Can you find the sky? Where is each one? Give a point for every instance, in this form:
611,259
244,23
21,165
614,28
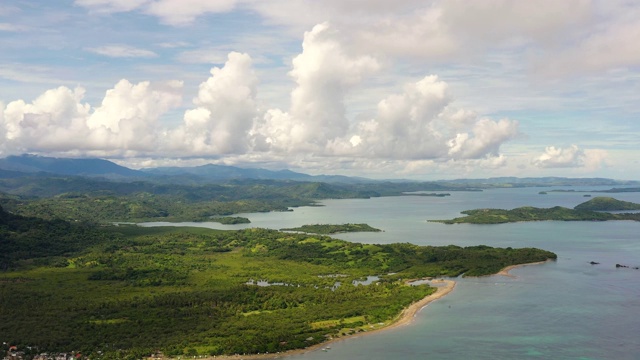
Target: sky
409,89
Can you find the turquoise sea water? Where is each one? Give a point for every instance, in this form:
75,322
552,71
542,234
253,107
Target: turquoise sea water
567,309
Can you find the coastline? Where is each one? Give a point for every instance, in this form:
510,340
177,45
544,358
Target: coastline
505,271
404,318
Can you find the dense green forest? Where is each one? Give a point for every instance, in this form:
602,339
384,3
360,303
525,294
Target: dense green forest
328,229
127,291
587,211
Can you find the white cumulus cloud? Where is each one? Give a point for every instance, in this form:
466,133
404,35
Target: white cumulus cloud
571,157
59,121
225,112
324,72
132,111
420,123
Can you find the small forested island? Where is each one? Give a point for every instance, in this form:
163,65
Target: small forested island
592,210
328,229
130,292
231,220
426,194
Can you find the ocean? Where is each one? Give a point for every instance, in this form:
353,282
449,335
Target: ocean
566,309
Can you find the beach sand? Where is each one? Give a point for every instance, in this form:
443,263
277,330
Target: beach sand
505,271
406,317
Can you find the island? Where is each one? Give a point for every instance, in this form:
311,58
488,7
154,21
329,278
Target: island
602,203
328,229
133,292
612,190
230,220
592,210
425,194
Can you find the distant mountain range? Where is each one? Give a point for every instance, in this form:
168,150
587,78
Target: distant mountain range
66,166
33,165
224,172
43,166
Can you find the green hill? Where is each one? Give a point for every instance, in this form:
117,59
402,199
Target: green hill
602,203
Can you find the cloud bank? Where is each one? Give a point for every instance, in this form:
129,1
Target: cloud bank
225,117
417,124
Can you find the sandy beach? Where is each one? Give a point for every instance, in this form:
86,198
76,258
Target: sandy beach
405,317
505,271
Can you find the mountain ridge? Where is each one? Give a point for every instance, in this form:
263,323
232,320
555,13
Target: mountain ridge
16,166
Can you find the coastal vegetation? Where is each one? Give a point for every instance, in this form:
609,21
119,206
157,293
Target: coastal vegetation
129,292
592,210
328,229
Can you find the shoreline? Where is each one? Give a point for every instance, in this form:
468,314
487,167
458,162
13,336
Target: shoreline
505,271
404,318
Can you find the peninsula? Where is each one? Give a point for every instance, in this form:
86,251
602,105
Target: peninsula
129,291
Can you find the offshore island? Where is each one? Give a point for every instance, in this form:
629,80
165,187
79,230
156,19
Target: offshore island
595,209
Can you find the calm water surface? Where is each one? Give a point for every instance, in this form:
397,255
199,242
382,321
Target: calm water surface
566,309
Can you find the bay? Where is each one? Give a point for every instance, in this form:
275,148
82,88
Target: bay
567,309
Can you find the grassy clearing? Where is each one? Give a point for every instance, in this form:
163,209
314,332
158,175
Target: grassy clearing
337,322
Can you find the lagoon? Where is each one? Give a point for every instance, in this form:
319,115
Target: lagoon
568,309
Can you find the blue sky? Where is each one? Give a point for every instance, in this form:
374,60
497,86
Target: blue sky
407,89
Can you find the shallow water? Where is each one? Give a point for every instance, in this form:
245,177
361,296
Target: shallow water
568,309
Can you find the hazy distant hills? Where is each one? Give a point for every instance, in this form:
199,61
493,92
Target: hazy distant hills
42,166
223,172
32,165
65,166
543,181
